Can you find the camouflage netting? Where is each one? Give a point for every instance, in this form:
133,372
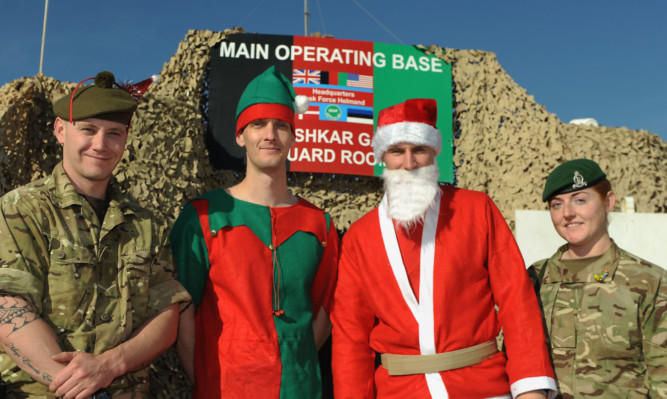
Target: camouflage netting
505,145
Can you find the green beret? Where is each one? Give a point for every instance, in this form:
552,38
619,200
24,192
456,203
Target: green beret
571,176
101,100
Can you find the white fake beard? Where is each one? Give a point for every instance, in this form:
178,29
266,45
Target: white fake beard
410,193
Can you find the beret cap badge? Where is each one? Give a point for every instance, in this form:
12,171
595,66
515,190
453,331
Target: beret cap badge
579,181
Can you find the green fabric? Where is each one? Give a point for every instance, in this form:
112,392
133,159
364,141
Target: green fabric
298,354
191,252
270,87
93,283
102,101
571,176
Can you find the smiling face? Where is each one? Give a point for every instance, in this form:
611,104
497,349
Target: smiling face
580,218
408,156
91,150
267,143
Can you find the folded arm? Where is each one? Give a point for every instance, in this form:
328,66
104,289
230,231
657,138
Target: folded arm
28,339
85,373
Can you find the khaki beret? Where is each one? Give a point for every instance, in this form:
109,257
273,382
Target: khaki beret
101,100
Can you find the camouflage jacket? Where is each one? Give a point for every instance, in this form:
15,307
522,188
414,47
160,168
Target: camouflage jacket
93,283
607,322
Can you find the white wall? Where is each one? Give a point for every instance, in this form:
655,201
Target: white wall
643,234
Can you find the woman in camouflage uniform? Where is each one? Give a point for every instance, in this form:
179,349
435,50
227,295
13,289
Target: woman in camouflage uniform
605,309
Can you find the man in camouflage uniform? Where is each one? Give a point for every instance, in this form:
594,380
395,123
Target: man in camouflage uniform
606,314
87,294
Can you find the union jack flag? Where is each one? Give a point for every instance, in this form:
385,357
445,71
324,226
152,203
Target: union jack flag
306,76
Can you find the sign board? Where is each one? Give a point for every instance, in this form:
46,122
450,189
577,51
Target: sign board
347,82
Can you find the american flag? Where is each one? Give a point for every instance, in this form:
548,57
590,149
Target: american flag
306,76
362,81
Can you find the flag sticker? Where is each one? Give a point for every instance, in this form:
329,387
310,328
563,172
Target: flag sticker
306,76
361,81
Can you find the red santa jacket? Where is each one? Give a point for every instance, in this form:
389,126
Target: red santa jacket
477,266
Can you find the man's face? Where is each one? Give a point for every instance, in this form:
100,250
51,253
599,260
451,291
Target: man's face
408,156
91,148
267,143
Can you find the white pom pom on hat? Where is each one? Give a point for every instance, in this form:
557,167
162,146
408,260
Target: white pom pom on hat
301,104
412,121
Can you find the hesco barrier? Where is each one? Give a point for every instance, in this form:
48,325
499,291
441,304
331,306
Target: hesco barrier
505,145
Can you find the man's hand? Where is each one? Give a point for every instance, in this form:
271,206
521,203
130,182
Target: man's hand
83,376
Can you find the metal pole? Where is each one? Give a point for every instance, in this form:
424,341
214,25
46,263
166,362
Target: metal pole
305,17
41,57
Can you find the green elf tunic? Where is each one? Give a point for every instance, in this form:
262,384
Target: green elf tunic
258,276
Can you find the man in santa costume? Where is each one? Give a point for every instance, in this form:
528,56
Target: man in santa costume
259,263
426,282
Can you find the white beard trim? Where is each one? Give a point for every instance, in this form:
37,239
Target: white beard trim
410,193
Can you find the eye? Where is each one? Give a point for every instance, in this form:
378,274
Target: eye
555,205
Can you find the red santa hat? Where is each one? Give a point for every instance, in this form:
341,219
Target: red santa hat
412,121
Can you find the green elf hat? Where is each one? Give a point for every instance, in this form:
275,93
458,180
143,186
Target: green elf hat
571,176
102,100
269,95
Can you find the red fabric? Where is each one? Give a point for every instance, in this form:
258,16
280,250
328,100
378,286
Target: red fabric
264,111
248,349
477,265
414,110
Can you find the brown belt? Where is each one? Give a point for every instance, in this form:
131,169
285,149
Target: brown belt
424,364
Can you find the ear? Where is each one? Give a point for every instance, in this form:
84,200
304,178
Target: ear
610,201
60,126
239,140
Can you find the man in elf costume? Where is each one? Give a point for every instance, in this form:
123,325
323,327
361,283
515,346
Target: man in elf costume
260,264
419,281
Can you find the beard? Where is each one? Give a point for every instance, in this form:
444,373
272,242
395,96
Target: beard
410,193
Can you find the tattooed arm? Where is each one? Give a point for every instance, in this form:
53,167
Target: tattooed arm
86,373
28,339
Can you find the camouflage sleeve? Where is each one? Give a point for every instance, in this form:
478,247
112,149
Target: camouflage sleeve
164,288
23,250
654,333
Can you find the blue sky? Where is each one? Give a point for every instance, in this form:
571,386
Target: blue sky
601,59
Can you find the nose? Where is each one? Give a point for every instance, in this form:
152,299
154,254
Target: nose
568,211
271,131
98,142
410,162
